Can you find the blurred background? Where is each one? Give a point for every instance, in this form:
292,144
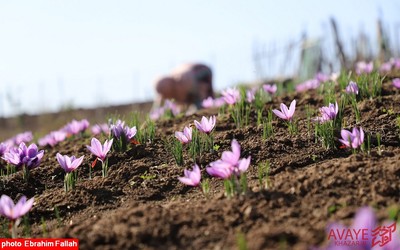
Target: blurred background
62,55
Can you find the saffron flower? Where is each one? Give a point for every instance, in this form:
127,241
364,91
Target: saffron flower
69,164
52,138
206,125
172,107
352,139
28,156
76,127
22,137
321,77
208,102
285,113
100,150
230,163
328,113
191,178
363,67
185,136
309,84
119,130
270,88
100,128
220,169
14,211
250,95
231,95
385,67
352,88
396,82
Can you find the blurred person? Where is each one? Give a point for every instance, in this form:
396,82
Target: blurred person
187,85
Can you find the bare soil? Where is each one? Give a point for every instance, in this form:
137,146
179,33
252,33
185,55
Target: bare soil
142,205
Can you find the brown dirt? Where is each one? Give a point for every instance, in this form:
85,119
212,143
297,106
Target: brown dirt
141,204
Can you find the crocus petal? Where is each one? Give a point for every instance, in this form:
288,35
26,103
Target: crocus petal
292,108
244,164
279,114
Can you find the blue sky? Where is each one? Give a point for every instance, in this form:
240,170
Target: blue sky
86,53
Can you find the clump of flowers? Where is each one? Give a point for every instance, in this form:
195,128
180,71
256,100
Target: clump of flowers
53,138
309,84
14,212
185,136
210,102
122,135
24,137
76,127
364,67
69,164
100,129
353,139
352,88
168,110
24,157
100,151
230,167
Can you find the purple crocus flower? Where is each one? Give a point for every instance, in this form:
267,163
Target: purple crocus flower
23,137
250,95
119,129
352,88
69,164
100,128
14,211
230,163
270,88
285,113
76,127
321,77
232,157
157,113
352,139
218,102
28,156
396,82
52,138
363,67
191,178
206,125
170,105
208,102
185,136
100,150
220,169
385,67
328,113
231,95
309,84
